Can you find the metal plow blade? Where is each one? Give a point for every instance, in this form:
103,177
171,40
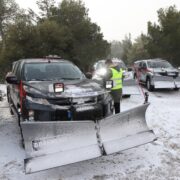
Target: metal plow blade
125,130
177,82
52,144
163,82
130,87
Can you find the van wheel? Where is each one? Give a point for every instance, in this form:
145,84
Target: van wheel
148,85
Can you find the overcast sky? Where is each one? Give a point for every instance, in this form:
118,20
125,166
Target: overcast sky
118,18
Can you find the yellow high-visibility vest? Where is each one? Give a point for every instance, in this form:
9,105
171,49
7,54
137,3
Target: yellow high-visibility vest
117,78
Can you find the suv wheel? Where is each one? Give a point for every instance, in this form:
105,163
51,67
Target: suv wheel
148,85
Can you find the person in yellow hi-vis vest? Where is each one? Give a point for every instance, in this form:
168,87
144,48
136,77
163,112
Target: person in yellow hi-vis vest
115,73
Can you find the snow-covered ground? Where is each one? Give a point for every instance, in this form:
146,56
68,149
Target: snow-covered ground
157,160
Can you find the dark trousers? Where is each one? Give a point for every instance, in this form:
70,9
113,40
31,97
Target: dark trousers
117,107
117,95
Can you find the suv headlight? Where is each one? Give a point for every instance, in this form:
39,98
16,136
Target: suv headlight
37,100
101,72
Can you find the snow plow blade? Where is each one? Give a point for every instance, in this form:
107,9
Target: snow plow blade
125,130
163,82
52,144
130,87
177,82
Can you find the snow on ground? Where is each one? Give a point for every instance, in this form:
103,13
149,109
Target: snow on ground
157,160
3,89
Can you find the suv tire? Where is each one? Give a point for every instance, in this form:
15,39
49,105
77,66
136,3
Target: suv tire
148,85
176,89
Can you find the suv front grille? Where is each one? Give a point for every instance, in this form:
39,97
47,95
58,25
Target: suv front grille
60,101
76,101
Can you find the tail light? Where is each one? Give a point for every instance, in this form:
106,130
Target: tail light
22,94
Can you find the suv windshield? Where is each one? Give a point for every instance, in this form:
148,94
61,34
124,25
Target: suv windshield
103,65
159,64
121,65
51,71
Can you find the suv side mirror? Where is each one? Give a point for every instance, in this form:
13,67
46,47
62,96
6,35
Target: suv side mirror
11,78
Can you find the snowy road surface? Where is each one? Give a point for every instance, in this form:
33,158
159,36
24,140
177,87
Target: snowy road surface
157,160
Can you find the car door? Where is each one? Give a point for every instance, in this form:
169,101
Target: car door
13,87
16,87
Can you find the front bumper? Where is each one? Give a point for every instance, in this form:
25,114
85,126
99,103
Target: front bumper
165,82
54,112
71,113
177,82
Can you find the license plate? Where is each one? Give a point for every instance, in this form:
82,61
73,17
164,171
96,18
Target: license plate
84,108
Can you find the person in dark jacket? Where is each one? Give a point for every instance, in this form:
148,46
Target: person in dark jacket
115,73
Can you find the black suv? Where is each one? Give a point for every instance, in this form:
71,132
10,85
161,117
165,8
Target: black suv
54,90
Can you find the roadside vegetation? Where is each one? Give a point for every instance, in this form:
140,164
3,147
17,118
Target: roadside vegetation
161,41
66,30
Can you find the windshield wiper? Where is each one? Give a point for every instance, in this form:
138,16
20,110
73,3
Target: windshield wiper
36,79
71,78
54,79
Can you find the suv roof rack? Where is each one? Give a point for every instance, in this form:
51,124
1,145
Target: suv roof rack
53,57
